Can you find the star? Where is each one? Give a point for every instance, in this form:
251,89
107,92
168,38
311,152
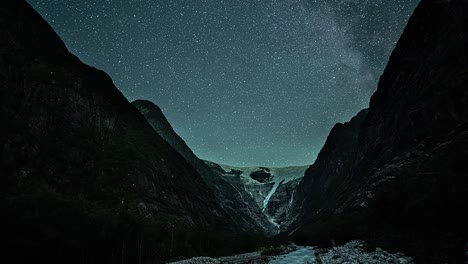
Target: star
243,82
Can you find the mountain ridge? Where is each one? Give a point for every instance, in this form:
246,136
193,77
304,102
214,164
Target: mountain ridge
231,195
83,175
399,179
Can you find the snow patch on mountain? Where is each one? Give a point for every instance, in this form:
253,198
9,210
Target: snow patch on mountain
272,188
278,176
272,191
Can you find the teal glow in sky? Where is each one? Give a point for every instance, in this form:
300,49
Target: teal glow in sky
244,82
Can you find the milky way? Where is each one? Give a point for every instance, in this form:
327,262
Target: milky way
244,82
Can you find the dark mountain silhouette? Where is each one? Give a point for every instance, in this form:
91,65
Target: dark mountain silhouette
231,195
396,175
87,177
84,178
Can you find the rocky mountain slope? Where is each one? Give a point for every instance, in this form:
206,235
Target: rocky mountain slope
397,175
232,197
83,176
272,188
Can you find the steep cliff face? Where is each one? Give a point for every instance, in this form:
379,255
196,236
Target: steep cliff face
230,194
271,188
279,208
335,159
161,125
400,180
82,173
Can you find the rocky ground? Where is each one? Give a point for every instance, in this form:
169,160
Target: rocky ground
353,252
198,260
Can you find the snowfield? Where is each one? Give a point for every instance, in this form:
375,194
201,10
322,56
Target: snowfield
285,173
279,176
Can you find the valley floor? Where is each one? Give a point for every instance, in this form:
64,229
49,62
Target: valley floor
352,252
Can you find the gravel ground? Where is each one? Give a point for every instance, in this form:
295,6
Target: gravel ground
198,260
351,253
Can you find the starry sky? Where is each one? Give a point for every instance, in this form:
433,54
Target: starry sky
244,82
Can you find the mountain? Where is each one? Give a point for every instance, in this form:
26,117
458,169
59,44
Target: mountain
271,188
83,176
231,195
161,125
333,160
244,192
396,174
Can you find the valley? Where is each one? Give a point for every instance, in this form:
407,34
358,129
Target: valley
88,177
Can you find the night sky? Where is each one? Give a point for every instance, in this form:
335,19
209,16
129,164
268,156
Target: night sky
244,82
